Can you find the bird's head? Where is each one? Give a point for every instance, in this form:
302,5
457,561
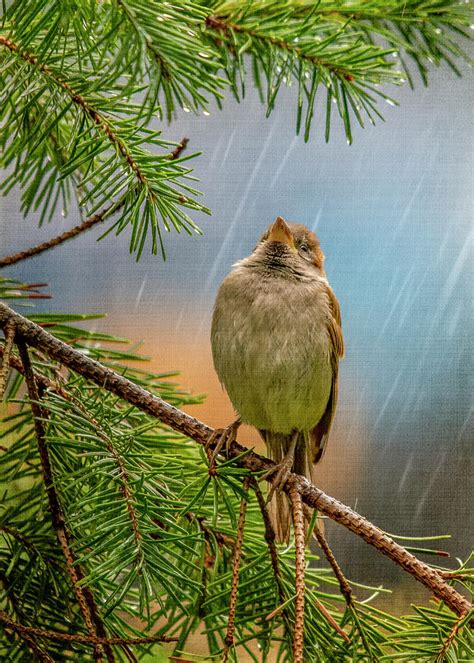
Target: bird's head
292,244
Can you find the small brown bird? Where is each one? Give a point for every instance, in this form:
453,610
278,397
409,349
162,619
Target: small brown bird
276,343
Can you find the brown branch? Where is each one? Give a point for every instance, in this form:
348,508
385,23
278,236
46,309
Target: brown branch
9,331
330,619
122,472
229,636
42,380
63,237
80,228
198,431
345,588
298,527
441,657
99,120
224,27
83,594
40,654
179,149
270,539
77,637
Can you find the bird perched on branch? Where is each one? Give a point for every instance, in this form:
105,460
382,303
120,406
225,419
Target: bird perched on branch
276,343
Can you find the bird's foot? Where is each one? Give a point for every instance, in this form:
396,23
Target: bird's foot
219,438
282,470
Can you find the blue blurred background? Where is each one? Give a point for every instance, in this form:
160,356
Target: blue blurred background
394,216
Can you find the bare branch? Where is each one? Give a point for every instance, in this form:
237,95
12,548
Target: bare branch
229,637
179,149
199,432
77,637
462,621
298,526
270,539
5,368
64,237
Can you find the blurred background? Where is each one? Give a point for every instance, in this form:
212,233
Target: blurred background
394,216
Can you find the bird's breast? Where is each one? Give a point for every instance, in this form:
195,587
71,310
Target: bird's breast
271,349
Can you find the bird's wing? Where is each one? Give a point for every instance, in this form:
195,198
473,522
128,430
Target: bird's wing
318,436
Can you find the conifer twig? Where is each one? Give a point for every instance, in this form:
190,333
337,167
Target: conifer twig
298,527
441,657
89,223
22,630
330,619
229,637
344,586
83,594
183,423
9,331
38,651
270,539
63,237
100,120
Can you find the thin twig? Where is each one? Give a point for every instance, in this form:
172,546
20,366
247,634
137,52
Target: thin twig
81,227
38,651
270,539
9,332
346,589
229,637
200,433
441,657
330,619
21,629
63,237
83,594
179,149
298,527
344,586
40,654
100,121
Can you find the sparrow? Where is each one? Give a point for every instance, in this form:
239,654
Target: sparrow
276,342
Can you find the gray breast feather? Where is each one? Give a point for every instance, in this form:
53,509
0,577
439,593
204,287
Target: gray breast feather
271,350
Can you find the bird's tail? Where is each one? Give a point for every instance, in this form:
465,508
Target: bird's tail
279,507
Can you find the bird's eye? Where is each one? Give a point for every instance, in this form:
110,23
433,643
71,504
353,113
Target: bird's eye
305,250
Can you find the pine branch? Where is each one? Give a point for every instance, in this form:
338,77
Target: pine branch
459,624
82,227
110,152
29,631
102,123
63,237
5,367
179,64
191,427
287,45
83,594
229,637
298,526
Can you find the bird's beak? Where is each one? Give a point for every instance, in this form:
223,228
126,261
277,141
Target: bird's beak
280,232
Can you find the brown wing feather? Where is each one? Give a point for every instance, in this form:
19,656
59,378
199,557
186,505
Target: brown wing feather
318,436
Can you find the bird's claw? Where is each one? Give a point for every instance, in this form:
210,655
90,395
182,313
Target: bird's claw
282,471
224,437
